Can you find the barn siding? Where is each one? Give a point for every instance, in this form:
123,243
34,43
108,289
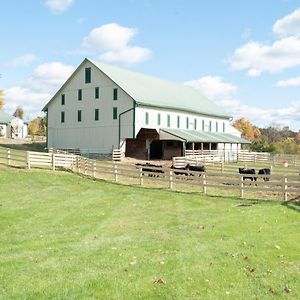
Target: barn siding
89,135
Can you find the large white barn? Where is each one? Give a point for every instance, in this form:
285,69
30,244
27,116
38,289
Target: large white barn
102,107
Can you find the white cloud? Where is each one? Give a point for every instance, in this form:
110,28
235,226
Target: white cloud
23,60
110,43
288,116
213,87
127,55
50,76
289,82
58,6
31,101
109,37
259,57
289,25
37,89
223,93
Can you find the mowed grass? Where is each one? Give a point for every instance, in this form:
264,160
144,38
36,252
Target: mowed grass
63,236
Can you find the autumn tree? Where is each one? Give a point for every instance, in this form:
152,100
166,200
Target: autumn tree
37,126
249,131
19,113
1,99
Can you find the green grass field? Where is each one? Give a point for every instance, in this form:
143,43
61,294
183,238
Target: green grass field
63,236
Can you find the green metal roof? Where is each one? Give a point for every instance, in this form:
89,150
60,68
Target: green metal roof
151,91
5,118
194,136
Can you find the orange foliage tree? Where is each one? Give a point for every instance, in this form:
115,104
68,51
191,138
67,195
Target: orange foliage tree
248,130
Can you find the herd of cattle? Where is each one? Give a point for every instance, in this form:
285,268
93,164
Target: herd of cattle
156,170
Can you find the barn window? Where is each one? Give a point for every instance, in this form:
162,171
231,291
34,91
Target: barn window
97,93
203,124
209,125
115,113
62,117
168,120
187,122
79,115
115,94
97,114
63,99
217,126
178,121
146,118
158,119
79,95
195,124
223,126
88,75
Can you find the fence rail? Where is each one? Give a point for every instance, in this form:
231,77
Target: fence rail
285,183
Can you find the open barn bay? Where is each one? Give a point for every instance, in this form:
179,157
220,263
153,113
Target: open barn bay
63,236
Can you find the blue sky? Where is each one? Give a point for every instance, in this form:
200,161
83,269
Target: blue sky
245,55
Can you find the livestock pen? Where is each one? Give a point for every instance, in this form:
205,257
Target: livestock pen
219,178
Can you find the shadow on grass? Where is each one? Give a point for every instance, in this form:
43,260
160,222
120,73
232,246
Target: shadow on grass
36,146
293,204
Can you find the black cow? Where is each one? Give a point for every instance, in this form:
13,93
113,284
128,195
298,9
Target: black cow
196,168
188,167
265,171
248,171
147,167
180,171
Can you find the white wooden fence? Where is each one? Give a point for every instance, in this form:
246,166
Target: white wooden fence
217,179
117,155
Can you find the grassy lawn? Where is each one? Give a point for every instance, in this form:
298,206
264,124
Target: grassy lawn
63,236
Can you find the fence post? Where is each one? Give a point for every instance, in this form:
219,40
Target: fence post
28,159
285,194
53,161
94,169
115,172
204,183
78,163
8,157
85,166
141,175
241,186
171,179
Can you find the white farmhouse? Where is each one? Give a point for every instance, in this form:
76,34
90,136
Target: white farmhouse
102,107
12,127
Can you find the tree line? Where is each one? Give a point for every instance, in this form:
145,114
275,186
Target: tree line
273,139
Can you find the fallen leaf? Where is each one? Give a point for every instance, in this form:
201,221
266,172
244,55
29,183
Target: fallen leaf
287,289
271,290
277,247
162,262
245,257
159,281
